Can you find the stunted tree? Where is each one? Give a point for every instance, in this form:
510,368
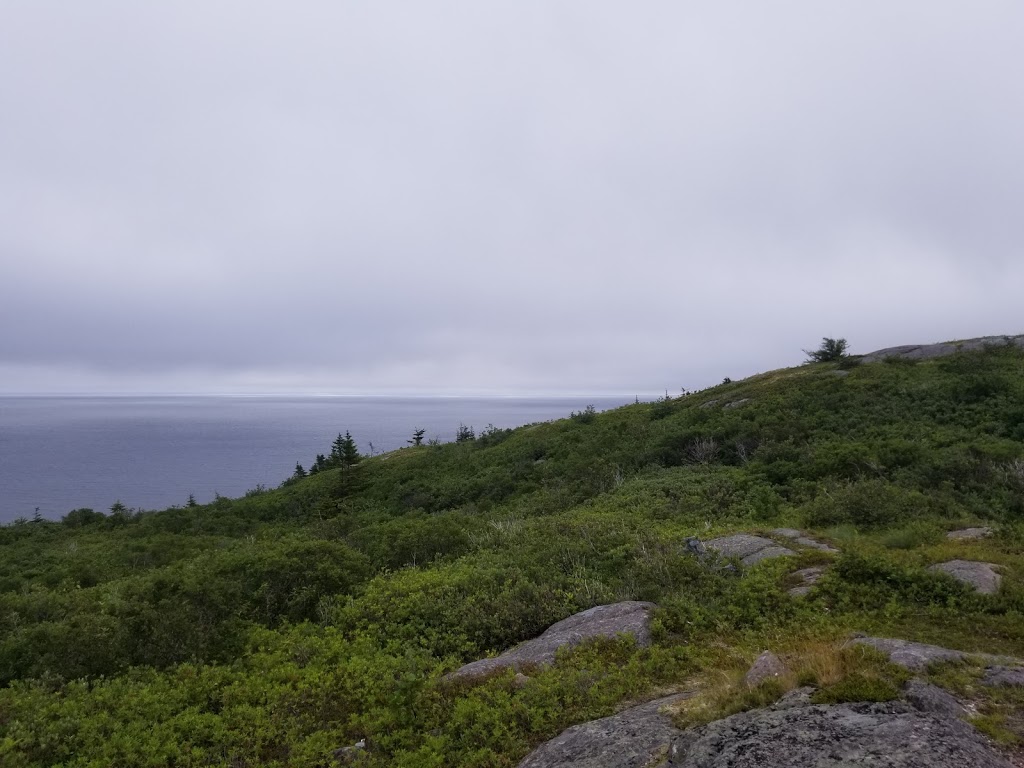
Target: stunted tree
829,351
417,437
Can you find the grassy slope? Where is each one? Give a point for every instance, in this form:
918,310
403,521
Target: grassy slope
275,628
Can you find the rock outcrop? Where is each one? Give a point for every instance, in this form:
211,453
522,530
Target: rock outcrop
808,577
630,617
917,656
889,735
944,349
999,675
982,577
930,698
634,738
748,548
801,539
967,534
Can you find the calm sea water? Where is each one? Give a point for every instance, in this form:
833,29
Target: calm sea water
61,453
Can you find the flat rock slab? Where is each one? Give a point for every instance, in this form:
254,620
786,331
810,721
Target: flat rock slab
787,533
631,617
748,548
983,577
931,351
917,656
999,675
801,539
969,533
889,735
809,577
634,738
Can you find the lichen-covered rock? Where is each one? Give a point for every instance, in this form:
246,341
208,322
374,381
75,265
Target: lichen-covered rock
630,617
930,351
967,534
983,577
765,667
930,698
890,735
634,738
748,548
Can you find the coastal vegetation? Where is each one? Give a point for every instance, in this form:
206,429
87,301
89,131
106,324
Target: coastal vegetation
280,627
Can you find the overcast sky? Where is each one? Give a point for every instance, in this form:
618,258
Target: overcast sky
517,197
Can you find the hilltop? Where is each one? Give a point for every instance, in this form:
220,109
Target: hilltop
332,620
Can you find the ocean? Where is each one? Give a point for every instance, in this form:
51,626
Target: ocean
63,453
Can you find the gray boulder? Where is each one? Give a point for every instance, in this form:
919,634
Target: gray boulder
931,351
890,735
930,698
748,548
981,576
631,617
634,738
999,675
765,667
969,533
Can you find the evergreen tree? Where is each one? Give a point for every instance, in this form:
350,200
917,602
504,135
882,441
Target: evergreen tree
348,451
829,351
417,437
299,471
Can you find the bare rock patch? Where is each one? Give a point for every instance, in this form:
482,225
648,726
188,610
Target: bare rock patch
634,738
630,617
748,548
967,534
983,577
889,735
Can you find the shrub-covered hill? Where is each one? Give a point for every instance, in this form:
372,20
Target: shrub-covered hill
276,628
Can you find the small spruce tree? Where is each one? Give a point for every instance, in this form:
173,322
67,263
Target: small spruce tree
348,451
829,351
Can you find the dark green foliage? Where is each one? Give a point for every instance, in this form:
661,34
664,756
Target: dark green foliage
417,437
586,416
274,628
830,350
78,518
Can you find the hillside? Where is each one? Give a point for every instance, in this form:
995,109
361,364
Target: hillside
285,627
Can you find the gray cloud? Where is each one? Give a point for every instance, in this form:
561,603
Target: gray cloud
529,196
